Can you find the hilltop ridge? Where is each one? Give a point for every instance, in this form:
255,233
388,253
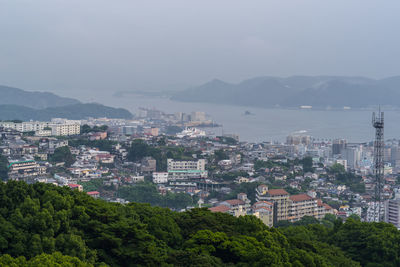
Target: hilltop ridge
295,91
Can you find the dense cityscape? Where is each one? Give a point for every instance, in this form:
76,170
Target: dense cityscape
199,133
168,160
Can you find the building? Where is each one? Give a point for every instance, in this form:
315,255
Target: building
264,211
338,146
199,116
301,205
64,128
322,209
160,177
352,156
278,196
236,207
297,139
25,168
294,207
137,178
151,131
148,164
392,210
186,169
97,136
94,194
76,186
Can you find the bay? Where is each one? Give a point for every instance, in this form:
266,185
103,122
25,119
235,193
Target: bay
272,124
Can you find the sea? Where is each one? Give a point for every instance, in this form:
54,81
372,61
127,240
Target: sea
269,124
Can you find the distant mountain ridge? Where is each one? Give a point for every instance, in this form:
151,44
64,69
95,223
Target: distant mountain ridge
38,100
295,91
23,105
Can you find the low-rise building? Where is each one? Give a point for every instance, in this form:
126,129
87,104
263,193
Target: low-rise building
94,194
25,168
76,186
148,164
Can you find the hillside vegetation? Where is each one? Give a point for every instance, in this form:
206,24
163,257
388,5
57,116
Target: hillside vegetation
42,224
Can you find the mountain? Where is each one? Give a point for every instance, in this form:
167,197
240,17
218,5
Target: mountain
295,91
38,100
73,112
23,105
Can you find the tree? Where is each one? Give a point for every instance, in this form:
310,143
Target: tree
85,129
43,260
220,155
47,225
63,154
307,164
337,168
3,168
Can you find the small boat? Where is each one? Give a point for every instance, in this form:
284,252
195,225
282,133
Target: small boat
247,113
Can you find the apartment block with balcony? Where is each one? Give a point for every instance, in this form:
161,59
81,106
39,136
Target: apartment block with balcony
301,205
25,168
278,196
264,210
186,169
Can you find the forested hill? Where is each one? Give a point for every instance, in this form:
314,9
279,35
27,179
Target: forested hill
45,223
37,100
295,91
17,104
72,112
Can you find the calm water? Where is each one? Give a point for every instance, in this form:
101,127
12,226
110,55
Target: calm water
271,124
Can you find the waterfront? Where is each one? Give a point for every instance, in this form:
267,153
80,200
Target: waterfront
270,124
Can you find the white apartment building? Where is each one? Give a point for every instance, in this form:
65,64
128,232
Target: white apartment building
160,177
57,129
65,129
26,126
186,169
375,211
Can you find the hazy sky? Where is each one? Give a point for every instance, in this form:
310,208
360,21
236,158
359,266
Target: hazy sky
116,45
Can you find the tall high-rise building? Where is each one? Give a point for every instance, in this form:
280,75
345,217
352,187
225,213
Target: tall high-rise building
353,156
338,146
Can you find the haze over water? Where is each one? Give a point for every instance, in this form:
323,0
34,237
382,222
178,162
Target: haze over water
269,124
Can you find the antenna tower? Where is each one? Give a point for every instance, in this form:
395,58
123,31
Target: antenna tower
378,124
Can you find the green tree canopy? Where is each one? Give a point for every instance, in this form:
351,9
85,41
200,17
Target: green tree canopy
63,154
3,167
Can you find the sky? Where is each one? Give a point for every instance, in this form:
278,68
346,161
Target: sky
75,46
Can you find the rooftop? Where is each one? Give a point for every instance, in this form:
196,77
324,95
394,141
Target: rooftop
277,192
91,193
234,202
221,208
300,197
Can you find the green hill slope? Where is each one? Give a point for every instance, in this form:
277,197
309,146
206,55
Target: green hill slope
41,218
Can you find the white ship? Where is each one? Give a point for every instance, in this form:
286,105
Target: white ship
191,133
